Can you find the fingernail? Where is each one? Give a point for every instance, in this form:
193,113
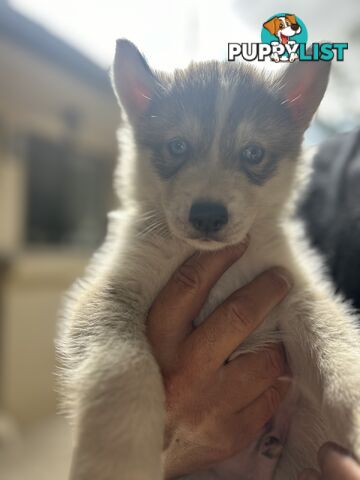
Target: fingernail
287,370
245,242
309,474
331,447
284,275
242,246
282,386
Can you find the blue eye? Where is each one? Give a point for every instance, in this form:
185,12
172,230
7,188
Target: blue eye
178,147
252,154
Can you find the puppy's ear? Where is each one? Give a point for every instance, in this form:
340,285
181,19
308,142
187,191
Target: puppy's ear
133,80
272,25
302,88
291,18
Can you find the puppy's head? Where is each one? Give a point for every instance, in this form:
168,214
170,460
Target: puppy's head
216,144
286,26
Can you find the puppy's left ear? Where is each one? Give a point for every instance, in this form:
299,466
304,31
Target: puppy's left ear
291,17
134,82
303,85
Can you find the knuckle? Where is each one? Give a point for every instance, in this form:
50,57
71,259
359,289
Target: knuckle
239,315
210,337
188,277
273,399
178,376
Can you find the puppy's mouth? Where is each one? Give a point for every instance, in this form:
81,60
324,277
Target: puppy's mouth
284,38
209,242
214,241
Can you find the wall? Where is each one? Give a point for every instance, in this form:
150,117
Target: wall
36,97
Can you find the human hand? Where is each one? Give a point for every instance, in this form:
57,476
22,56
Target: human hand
214,408
335,464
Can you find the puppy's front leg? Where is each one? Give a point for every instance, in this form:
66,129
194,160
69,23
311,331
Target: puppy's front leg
322,343
112,385
329,366
119,414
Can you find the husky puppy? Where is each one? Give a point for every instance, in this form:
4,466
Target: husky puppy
209,155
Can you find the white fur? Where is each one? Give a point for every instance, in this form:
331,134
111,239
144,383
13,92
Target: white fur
114,385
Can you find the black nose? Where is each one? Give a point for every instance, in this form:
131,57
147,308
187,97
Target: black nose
208,217
295,26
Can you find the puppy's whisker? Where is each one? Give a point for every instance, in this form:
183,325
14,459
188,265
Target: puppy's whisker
155,226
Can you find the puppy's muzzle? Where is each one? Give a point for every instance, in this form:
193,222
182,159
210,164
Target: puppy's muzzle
208,217
295,26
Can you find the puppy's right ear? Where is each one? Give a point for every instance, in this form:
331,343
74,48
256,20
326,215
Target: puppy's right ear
133,80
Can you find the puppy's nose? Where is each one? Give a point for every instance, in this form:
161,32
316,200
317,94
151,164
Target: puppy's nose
295,26
208,217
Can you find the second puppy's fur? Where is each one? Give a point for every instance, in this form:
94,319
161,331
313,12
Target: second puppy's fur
208,155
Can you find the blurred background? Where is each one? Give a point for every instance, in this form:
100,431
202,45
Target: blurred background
58,118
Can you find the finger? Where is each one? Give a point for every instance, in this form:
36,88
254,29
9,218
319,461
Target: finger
180,301
309,474
229,325
337,464
247,423
249,375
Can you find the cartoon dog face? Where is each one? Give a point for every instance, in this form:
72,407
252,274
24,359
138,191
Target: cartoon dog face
283,27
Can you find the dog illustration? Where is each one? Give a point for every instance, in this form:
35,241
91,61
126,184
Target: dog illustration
283,27
209,155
